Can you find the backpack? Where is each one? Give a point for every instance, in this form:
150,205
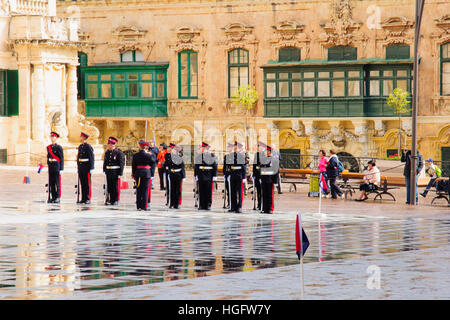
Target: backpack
438,171
340,166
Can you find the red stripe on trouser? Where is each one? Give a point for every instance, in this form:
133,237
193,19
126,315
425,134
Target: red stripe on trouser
242,193
181,191
89,182
273,188
148,192
118,190
59,189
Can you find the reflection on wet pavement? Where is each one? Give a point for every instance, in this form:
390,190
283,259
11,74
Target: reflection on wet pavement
52,251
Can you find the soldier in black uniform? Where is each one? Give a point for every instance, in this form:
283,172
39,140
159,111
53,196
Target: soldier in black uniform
205,172
256,174
85,162
226,191
55,162
140,171
177,176
237,173
113,165
167,166
151,149
269,176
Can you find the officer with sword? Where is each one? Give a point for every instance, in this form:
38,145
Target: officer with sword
113,165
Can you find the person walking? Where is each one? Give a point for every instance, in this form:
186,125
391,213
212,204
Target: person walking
269,176
406,157
55,162
323,169
113,165
371,181
177,176
140,171
205,172
161,154
237,173
434,172
332,174
85,162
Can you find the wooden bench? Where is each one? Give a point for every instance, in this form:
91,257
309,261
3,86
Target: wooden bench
441,194
383,189
295,176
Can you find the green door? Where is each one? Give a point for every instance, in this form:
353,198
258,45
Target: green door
290,158
445,152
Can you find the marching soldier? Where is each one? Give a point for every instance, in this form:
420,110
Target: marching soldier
167,166
177,176
55,162
140,171
256,174
85,162
269,176
113,165
237,173
205,172
226,191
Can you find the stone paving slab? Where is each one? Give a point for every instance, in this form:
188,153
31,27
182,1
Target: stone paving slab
418,274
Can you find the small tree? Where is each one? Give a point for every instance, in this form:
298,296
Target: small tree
398,100
245,96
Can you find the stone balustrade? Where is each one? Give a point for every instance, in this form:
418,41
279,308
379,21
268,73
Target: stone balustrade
32,7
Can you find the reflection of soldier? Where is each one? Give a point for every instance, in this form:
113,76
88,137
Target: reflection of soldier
204,259
173,254
264,245
233,256
409,235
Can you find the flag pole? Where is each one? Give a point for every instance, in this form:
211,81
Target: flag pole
301,257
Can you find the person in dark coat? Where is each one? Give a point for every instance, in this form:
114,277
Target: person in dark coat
167,166
226,185
177,176
237,173
269,175
113,165
256,174
55,162
140,170
332,175
406,157
86,163
205,172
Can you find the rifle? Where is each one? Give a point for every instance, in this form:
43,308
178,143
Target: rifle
254,191
77,187
196,193
48,188
105,190
168,190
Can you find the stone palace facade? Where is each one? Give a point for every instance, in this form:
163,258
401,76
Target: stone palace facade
168,69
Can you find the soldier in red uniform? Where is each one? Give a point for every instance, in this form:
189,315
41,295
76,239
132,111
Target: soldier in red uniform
55,162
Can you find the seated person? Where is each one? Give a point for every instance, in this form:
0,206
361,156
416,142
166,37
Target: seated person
371,180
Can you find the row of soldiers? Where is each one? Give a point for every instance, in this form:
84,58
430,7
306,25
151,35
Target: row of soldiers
172,169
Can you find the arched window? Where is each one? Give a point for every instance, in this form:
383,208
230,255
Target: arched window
342,53
131,56
397,51
445,69
238,72
188,74
289,54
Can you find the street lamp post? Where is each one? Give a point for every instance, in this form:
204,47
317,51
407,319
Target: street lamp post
413,175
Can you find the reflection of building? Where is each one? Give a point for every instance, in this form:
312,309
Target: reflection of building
322,69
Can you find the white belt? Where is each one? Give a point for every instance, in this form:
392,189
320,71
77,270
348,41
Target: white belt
236,168
205,168
83,160
113,167
267,173
52,160
258,167
175,170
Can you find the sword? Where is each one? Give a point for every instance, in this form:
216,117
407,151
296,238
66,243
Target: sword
48,188
77,186
254,193
196,193
105,191
168,190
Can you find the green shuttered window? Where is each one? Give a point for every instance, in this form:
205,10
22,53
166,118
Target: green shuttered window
397,51
339,53
9,92
187,75
238,72
289,54
445,69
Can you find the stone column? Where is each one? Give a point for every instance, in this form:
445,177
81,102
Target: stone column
312,132
38,103
72,102
362,129
22,145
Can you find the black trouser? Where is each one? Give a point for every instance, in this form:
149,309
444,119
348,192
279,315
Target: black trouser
236,188
85,183
161,178
176,187
167,186
54,185
267,196
113,186
334,187
143,192
257,189
205,189
367,187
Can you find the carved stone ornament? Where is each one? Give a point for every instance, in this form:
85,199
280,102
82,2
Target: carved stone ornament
398,30
87,127
441,105
185,108
341,30
289,33
236,32
129,38
129,34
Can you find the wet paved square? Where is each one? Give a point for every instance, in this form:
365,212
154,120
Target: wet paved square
58,251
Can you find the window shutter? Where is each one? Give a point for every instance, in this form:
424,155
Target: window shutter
289,54
397,51
342,53
12,92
